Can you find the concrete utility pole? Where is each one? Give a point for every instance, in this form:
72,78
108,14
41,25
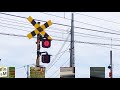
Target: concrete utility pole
72,62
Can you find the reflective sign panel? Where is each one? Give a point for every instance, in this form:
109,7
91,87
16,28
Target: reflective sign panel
37,72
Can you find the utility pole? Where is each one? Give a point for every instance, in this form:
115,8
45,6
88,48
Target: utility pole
111,65
27,71
72,62
111,69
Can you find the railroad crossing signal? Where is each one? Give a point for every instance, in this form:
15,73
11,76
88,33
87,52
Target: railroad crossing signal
46,58
39,29
44,37
46,43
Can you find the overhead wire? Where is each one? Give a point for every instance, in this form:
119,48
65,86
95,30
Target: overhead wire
60,49
96,36
83,22
106,32
15,25
48,30
61,66
64,40
115,39
14,21
56,31
14,28
56,60
29,31
66,25
97,18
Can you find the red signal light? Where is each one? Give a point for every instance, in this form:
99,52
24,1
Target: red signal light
46,43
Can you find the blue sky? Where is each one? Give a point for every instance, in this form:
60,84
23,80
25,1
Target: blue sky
20,51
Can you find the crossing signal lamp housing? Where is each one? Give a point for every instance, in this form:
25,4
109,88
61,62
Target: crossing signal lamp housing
46,43
46,58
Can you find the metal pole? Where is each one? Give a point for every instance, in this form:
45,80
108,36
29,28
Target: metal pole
72,44
27,71
38,50
111,69
8,72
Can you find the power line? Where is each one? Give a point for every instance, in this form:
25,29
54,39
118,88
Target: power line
97,43
61,66
13,15
104,46
61,48
55,15
68,25
84,23
97,30
13,35
34,19
14,28
27,30
57,55
97,18
56,61
24,23
15,25
14,21
62,52
64,40
33,28
96,36
48,29
24,66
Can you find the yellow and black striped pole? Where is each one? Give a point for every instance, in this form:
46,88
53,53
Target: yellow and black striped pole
39,29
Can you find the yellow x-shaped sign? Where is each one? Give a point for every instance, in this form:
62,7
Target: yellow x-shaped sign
39,29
